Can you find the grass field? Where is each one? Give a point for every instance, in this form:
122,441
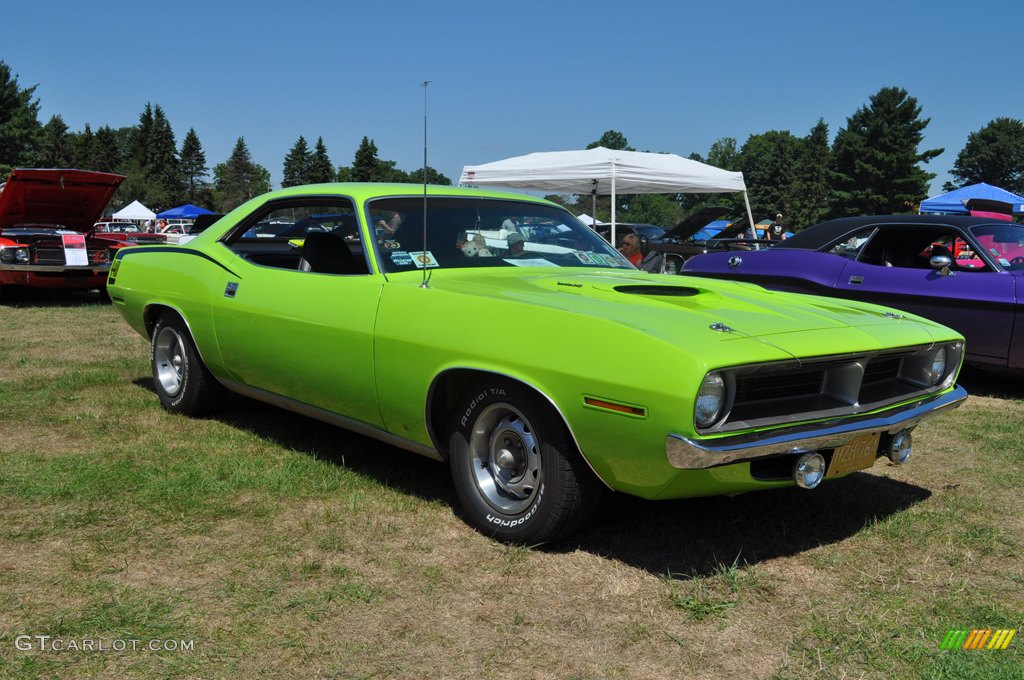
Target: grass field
281,547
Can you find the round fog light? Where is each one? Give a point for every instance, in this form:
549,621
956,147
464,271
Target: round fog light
809,470
900,447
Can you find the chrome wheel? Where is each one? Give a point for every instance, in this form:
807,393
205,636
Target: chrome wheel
169,360
504,454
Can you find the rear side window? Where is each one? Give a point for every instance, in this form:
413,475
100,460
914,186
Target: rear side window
319,235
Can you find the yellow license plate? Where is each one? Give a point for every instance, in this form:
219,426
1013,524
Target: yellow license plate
859,454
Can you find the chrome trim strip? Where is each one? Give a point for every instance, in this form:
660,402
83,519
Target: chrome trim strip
692,454
332,418
92,268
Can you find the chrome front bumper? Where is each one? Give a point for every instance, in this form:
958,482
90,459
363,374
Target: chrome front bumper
691,454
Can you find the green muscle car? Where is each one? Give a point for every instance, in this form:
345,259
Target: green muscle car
496,332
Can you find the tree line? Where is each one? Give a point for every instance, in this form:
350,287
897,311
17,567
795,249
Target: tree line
157,171
873,166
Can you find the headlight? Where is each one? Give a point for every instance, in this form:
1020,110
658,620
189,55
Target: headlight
7,255
710,400
21,255
938,367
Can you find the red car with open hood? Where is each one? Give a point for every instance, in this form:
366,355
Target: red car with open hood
46,228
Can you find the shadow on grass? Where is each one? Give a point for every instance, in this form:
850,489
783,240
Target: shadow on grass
17,296
396,468
992,383
693,537
684,537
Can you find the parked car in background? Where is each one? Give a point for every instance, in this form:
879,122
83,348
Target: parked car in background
126,232
46,228
964,272
173,232
499,363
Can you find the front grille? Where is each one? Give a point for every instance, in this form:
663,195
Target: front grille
787,391
49,255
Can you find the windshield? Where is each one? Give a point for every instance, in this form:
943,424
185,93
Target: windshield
1004,242
482,232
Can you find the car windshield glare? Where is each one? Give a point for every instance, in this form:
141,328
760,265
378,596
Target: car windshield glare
1004,242
481,232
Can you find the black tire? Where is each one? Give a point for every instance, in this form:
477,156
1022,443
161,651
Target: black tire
180,377
518,475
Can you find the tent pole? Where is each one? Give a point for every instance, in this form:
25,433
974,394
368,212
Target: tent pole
750,215
613,203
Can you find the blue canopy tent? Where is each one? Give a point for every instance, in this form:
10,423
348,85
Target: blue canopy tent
183,212
953,202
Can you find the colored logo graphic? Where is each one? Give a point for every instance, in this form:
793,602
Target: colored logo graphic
979,638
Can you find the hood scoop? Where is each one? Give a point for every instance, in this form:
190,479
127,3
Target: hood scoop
651,289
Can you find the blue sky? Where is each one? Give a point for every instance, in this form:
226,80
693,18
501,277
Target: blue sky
511,78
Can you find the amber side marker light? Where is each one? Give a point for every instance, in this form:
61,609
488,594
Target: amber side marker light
611,406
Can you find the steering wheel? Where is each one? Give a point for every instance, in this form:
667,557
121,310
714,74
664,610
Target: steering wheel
1017,260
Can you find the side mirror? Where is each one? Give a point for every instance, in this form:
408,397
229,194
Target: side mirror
942,263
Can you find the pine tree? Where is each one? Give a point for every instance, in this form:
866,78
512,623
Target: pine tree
162,161
19,122
320,168
193,166
55,145
366,165
105,154
811,197
238,179
140,137
82,145
296,164
875,158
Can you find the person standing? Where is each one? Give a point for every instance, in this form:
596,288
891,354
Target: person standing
775,231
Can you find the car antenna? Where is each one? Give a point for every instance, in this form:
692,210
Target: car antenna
426,263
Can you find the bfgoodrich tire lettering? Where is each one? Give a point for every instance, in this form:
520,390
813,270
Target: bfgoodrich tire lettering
517,473
180,378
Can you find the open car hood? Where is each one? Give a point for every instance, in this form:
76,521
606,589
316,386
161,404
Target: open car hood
693,223
73,199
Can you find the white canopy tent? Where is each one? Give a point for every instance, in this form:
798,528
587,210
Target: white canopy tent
606,171
134,211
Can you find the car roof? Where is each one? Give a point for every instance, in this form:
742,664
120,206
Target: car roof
820,235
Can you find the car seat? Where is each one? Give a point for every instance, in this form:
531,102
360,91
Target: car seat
327,253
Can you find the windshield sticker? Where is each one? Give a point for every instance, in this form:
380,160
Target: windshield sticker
598,258
1003,261
994,251
391,244
401,258
423,259
531,262
585,258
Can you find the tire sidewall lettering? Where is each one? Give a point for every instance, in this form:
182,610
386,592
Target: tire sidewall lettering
477,400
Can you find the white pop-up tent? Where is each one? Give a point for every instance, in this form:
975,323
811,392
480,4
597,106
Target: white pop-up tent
606,171
134,211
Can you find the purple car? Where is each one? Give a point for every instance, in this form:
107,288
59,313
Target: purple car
964,272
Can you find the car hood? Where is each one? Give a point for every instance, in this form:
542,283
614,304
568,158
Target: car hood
675,311
73,199
691,224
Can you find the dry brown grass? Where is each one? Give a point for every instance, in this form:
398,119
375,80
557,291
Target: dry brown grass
287,548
